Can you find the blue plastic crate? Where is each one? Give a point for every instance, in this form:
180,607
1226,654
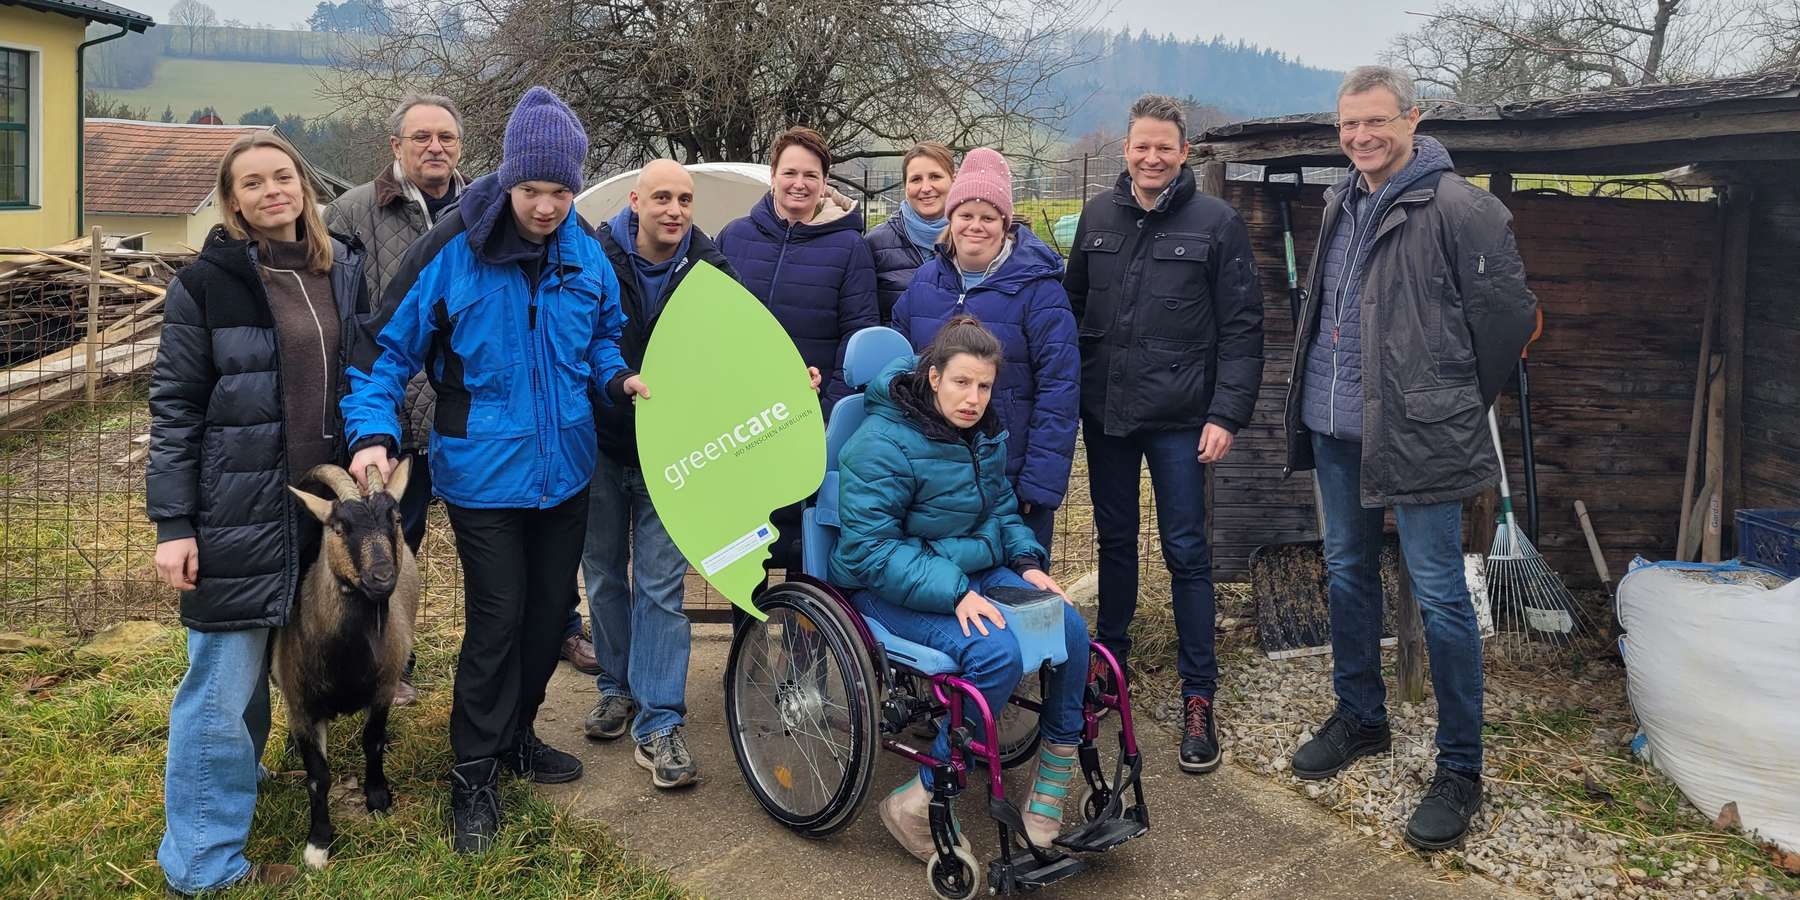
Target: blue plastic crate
1770,538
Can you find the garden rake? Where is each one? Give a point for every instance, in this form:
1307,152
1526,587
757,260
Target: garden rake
1528,598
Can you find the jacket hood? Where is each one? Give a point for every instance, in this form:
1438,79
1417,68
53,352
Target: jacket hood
624,226
1430,157
492,235
899,393
836,213
1030,260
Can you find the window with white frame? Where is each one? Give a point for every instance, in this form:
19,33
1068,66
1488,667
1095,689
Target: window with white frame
15,127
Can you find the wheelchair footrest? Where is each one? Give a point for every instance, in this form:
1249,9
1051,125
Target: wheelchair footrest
1027,874
1102,835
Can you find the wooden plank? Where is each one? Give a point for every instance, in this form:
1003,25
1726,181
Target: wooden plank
1740,211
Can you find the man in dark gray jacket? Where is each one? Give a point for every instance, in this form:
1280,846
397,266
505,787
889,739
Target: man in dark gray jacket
1415,314
387,215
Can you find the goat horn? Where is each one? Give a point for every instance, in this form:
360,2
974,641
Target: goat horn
338,480
373,473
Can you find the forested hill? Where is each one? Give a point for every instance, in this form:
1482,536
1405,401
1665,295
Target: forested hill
1242,80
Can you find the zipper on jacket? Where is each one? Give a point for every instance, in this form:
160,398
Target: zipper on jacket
975,461
538,400
780,257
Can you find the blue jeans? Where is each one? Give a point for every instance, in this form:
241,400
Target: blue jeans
641,635
992,663
1178,479
217,728
1431,539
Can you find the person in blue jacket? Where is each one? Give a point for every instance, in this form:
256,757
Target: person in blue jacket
909,238
930,527
512,310
801,252
1004,275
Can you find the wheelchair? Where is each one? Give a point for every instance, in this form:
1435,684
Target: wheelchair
815,690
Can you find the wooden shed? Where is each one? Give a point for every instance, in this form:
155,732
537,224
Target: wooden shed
1624,281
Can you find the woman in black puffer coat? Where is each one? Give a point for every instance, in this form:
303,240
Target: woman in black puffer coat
909,238
243,402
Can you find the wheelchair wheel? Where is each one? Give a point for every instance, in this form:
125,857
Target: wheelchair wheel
800,702
955,877
1018,726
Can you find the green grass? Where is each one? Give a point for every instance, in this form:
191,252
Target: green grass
82,751
233,87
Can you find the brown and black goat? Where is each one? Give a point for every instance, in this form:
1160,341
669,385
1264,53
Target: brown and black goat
345,645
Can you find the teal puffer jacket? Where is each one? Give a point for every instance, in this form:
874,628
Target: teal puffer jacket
924,505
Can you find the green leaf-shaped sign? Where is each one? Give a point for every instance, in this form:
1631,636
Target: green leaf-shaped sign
732,430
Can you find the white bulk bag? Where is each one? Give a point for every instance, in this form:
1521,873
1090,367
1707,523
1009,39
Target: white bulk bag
1712,660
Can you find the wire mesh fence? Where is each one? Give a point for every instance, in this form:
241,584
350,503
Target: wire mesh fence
76,548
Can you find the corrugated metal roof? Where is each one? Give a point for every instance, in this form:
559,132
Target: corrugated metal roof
92,10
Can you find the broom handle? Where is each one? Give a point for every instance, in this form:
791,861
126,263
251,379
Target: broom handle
1505,492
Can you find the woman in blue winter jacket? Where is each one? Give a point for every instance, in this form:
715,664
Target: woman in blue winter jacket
801,252
1001,273
930,530
909,238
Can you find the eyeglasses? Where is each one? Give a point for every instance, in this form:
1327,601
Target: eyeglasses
1351,126
424,139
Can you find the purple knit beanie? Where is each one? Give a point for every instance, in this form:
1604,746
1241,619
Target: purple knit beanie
983,176
544,142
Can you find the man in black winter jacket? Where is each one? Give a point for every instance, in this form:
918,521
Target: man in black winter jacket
1164,291
1416,312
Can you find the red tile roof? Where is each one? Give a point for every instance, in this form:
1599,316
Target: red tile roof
154,169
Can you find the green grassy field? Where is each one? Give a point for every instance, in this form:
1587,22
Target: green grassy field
81,770
230,86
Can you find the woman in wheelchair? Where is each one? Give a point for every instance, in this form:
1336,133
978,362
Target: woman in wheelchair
931,533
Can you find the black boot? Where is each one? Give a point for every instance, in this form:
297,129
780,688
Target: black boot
1200,751
1443,816
474,805
534,760
1340,742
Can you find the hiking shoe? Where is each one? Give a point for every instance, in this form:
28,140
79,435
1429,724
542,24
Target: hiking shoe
1200,751
668,760
610,717
405,694
1443,816
534,760
474,805
579,651
1340,742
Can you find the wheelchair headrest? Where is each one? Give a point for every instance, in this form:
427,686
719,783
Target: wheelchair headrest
869,351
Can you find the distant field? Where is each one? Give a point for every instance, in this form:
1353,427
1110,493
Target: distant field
230,86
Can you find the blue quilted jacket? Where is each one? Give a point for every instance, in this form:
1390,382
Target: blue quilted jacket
1038,393
817,278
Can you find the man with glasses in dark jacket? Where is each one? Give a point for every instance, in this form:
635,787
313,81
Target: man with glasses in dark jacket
1414,318
1165,295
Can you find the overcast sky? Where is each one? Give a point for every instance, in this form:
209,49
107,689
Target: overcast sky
1329,33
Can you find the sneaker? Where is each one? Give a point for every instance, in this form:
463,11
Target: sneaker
668,759
1443,816
1200,751
474,805
579,651
534,760
1340,742
405,694
610,717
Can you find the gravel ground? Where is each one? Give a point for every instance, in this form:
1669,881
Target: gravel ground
1568,812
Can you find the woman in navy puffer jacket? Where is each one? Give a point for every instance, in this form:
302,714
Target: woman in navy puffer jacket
1002,274
907,240
801,252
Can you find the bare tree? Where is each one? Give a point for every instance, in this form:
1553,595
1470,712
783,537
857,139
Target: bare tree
1507,50
710,80
190,16
1778,32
